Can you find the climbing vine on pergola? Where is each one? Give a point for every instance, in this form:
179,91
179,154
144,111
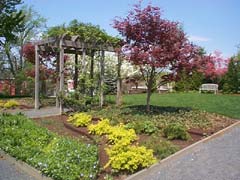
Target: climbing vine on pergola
67,44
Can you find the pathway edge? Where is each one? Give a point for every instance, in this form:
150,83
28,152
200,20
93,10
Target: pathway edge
31,171
181,152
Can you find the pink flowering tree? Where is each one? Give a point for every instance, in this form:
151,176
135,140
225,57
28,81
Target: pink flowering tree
153,43
213,66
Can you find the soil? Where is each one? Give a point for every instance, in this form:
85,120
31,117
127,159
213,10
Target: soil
59,125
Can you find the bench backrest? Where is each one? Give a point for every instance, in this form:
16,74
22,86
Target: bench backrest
209,86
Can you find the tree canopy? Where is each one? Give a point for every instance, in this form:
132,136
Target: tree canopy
10,19
153,43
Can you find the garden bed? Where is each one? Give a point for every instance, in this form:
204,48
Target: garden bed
198,128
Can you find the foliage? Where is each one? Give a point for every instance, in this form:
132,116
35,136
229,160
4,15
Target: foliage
153,43
2,104
10,19
161,148
122,154
58,157
232,77
147,127
80,119
129,158
189,82
176,131
9,104
120,135
101,128
77,105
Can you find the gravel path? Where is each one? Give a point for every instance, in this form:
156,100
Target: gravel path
215,159
8,171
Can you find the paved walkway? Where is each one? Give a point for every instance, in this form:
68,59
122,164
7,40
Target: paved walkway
42,112
8,171
215,159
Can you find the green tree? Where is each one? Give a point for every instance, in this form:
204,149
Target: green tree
10,20
232,77
31,25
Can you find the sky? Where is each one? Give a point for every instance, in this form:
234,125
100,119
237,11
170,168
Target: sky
212,24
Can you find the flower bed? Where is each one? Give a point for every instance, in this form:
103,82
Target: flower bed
123,155
55,156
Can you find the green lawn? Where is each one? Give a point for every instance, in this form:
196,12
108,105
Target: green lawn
228,105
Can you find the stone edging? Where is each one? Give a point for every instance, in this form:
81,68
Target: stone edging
185,150
24,167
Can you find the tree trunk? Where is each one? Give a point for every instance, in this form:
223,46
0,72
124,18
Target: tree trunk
119,82
10,61
149,93
149,87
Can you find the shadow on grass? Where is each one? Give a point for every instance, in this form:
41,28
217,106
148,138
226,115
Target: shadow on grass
154,110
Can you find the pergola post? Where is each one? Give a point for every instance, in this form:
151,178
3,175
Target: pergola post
84,60
36,78
119,81
102,78
57,81
92,71
76,72
61,74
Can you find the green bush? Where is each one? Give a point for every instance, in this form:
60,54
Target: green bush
146,127
58,157
161,148
176,131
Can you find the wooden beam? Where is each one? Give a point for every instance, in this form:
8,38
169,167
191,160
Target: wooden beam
119,81
49,40
61,74
92,71
101,88
76,72
36,78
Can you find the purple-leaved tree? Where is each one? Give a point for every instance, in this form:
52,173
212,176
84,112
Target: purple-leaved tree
153,43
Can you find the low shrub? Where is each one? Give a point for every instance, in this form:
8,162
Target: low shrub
9,104
176,131
120,134
2,104
161,148
101,128
129,158
58,157
146,127
80,119
123,156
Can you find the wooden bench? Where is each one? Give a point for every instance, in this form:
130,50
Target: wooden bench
209,87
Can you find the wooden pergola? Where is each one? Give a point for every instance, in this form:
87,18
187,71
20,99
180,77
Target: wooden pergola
66,44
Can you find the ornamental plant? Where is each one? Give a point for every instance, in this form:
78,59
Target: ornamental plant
120,134
122,154
176,131
11,104
101,128
80,119
57,157
129,158
153,43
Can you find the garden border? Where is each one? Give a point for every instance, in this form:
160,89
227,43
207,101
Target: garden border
181,152
31,171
